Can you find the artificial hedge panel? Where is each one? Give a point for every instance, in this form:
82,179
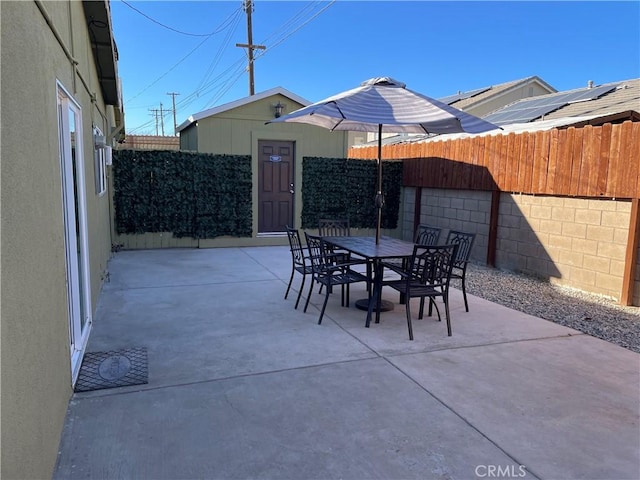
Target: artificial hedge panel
346,188
189,194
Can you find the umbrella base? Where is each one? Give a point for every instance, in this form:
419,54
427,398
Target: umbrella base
385,305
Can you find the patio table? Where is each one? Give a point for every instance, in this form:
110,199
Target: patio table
367,248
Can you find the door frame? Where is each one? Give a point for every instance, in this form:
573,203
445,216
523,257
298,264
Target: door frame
293,180
73,191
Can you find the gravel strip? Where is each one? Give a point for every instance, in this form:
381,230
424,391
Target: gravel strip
592,314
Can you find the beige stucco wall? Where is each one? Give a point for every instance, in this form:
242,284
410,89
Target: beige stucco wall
579,243
36,377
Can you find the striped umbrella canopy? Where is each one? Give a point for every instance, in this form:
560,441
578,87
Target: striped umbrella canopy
383,104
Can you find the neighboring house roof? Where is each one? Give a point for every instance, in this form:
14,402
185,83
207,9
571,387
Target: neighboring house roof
614,102
606,99
468,100
626,96
243,101
541,125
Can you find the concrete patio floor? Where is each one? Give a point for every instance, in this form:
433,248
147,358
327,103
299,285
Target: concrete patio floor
241,385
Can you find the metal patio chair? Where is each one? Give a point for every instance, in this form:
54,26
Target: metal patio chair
299,261
328,271
465,243
425,235
331,227
427,275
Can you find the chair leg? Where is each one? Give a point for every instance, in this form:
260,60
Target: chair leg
304,277
446,312
432,301
324,305
309,295
286,294
408,310
464,294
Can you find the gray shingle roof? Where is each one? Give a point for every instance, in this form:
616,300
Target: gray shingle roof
625,97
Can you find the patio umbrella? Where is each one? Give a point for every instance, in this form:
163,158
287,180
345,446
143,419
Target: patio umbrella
385,105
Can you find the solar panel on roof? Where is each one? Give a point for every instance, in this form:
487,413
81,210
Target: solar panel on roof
463,95
529,109
591,93
507,115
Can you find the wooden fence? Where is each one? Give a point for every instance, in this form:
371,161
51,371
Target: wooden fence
590,161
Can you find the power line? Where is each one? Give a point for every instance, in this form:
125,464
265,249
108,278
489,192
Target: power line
170,28
235,71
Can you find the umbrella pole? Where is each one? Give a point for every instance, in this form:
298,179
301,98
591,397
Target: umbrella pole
379,198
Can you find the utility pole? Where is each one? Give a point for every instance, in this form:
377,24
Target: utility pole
175,124
154,112
248,8
162,119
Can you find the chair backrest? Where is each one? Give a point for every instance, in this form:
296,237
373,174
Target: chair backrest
317,255
465,243
333,228
426,235
297,253
433,264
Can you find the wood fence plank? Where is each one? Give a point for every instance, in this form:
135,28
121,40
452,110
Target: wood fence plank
540,162
576,160
586,184
612,177
526,170
603,159
511,162
502,161
554,154
563,167
627,174
494,158
486,182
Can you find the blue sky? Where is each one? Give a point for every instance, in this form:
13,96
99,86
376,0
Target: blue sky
317,49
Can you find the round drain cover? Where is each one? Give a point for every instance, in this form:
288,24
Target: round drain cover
114,367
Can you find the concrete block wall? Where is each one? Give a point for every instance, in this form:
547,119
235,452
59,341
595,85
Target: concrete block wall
464,210
574,242
580,243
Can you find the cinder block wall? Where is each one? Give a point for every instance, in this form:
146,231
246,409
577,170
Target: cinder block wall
467,211
574,242
580,243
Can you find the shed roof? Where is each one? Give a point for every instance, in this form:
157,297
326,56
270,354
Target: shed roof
240,102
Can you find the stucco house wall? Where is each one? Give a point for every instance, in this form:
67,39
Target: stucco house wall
36,371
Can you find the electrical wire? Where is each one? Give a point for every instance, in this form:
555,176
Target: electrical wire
223,82
171,28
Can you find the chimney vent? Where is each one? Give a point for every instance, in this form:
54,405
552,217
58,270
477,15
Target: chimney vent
590,84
